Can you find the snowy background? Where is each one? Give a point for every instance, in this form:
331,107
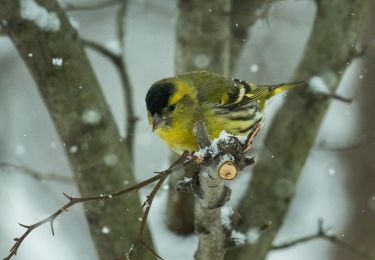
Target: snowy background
28,137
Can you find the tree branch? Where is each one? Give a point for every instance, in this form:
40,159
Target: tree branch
212,192
119,63
35,174
90,7
139,240
214,195
202,43
113,57
160,177
296,125
131,119
82,119
323,234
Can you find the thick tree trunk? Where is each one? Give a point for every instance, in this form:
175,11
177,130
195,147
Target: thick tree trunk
202,43
82,118
243,16
359,159
296,125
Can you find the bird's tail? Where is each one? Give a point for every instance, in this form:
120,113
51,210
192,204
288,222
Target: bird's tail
263,93
276,89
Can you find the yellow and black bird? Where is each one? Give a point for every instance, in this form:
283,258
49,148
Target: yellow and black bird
175,104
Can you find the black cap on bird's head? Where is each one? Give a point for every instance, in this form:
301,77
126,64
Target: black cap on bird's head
157,99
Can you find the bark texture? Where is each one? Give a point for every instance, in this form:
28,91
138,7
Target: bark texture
359,158
207,208
293,131
83,120
202,43
244,14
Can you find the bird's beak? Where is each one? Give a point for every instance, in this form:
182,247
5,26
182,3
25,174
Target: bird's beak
157,122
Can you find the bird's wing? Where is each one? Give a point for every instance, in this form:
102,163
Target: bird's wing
242,93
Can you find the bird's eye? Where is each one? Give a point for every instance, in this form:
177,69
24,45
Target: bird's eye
171,107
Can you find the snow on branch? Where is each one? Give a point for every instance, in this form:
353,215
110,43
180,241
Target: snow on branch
31,11
221,158
211,197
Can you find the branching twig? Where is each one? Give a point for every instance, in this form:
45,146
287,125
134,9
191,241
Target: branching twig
139,240
7,167
181,162
90,7
126,84
120,65
322,234
185,160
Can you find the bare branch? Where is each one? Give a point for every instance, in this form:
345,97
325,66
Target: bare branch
357,144
323,234
139,240
295,126
8,167
161,176
212,192
126,84
185,160
201,134
120,65
120,23
90,7
340,98
102,50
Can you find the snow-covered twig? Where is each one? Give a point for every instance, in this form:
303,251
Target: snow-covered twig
213,193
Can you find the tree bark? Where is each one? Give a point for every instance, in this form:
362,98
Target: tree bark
359,159
84,122
202,43
207,212
243,16
296,124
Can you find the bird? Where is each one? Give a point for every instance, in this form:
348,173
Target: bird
175,104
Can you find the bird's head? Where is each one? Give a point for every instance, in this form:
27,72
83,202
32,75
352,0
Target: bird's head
165,99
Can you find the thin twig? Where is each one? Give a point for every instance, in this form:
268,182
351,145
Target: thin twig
120,65
364,142
340,98
125,80
181,162
90,7
322,234
8,167
102,50
139,240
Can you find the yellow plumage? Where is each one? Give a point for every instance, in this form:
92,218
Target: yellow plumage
175,104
